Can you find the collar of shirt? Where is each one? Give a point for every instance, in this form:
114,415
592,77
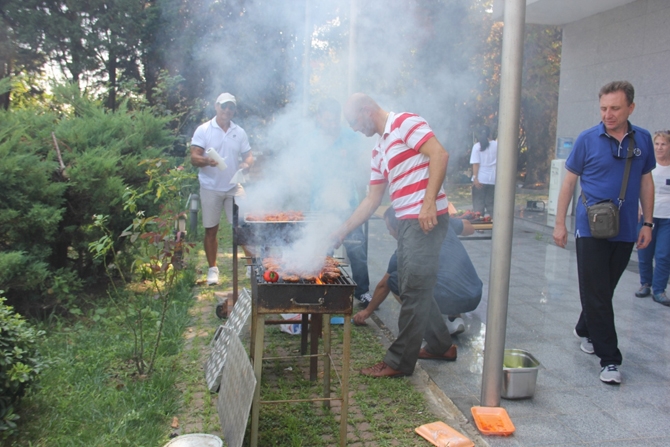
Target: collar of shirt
603,131
387,125
215,124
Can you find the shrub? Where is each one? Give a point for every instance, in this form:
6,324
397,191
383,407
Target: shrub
20,364
152,252
45,209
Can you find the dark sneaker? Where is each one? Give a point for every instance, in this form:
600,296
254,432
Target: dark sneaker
365,299
610,374
645,291
662,298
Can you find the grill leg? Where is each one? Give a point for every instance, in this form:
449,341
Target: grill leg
326,359
345,379
304,327
235,226
315,330
257,335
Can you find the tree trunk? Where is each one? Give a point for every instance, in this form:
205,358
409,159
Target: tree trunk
111,71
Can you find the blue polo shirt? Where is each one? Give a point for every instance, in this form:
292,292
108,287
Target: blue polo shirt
599,160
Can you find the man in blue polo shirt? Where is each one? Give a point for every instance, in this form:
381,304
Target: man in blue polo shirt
598,159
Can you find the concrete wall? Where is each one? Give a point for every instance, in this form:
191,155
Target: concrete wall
631,42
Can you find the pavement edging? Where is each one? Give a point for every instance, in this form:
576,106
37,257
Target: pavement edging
439,403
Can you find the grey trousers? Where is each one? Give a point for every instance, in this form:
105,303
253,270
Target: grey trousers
482,199
420,317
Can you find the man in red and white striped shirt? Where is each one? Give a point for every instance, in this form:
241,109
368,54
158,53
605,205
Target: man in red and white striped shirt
409,159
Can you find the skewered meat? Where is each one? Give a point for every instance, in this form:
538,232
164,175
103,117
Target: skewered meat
330,275
330,271
282,216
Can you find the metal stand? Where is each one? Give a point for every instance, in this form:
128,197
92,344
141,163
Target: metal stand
236,222
258,336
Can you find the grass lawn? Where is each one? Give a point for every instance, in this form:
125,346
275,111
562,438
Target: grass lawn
382,411
91,396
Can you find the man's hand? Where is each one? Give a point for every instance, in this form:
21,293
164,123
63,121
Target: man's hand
336,239
428,216
560,235
199,159
361,316
644,237
477,184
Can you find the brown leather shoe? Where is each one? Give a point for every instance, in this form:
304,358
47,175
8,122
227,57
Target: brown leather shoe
381,369
449,356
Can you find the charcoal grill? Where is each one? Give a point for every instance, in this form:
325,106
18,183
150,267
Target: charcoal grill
268,234
261,234
333,296
309,299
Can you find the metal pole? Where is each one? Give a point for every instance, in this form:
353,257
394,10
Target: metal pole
306,69
353,19
514,17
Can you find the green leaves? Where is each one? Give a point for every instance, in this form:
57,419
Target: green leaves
151,258
20,363
45,214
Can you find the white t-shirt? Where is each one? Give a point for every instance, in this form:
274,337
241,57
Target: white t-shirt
487,162
661,175
230,145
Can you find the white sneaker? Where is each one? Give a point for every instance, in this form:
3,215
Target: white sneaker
586,344
365,299
455,327
610,374
212,276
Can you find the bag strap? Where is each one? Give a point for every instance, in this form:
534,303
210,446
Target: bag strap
626,172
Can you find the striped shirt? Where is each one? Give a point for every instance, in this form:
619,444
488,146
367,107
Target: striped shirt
396,159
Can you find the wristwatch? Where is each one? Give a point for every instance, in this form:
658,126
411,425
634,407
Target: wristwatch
649,224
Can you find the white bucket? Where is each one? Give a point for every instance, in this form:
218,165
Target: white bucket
195,440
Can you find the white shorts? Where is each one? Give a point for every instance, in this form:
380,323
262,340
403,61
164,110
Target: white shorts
213,202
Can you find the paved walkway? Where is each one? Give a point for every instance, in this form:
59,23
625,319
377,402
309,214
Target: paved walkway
570,406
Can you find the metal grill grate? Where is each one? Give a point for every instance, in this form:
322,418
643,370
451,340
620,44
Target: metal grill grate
237,392
221,340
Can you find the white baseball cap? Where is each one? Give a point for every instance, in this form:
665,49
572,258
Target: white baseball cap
224,98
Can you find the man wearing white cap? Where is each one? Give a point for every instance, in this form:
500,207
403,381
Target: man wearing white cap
230,142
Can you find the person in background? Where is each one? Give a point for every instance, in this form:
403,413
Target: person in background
337,167
217,192
598,160
458,287
411,161
483,160
654,279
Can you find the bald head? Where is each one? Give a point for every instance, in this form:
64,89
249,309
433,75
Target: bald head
364,115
